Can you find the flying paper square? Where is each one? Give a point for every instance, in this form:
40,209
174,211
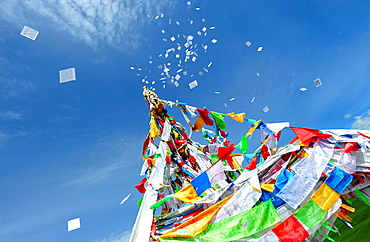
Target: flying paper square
260,48
29,33
317,82
67,75
74,224
248,43
266,109
173,38
214,41
176,84
303,89
193,84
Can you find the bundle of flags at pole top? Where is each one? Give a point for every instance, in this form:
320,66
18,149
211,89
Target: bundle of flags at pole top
223,192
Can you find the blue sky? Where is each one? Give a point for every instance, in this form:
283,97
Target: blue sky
73,149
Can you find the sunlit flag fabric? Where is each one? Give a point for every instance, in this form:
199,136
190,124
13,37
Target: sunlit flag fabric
195,192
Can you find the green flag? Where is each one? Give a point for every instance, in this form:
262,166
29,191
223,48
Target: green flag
220,119
310,214
243,144
241,225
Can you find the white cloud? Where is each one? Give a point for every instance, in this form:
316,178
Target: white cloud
91,21
10,114
118,237
348,115
94,175
362,122
3,136
109,155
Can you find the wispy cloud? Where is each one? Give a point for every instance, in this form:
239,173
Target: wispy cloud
94,175
117,237
10,114
111,155
362,122
117,23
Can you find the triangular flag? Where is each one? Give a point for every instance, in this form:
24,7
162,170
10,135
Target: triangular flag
243,144
252,163
220,119
308,135
224,152
237,117
204,114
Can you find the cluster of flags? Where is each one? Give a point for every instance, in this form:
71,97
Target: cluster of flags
223,192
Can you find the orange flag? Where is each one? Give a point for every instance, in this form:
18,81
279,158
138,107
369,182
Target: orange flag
197,224
237,117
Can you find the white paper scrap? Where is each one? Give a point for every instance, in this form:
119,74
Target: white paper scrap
176,84
74,224
213,27
125,199
177,77
188,3
253,99
260,48
317,82
163,31
197,9
204,29
29,33
173,38
67,75
194,59
258,74
193,84
214,41
177,22
303,89
232,99
209,65
248,43
265,109
217,92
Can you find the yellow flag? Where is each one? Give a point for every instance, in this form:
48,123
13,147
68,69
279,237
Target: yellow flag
154,131
325,197
187,194
268,187
197,224
237,117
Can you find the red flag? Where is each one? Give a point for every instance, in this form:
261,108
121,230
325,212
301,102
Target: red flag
252,163
350,146
204,115
308,135
291,230
224,152
140,187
